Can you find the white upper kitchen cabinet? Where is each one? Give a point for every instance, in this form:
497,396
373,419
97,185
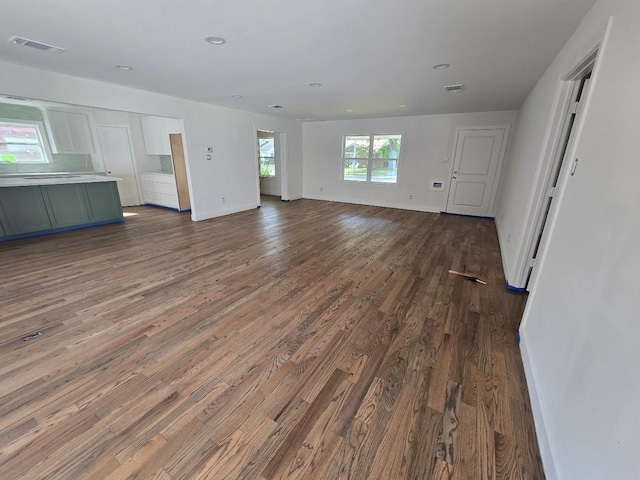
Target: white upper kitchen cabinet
156,130
70,132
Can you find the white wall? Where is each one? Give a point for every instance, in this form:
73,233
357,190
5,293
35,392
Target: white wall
231,174
581,327
525,160
426,141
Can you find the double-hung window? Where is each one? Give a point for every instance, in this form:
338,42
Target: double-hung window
21,141
371,158
267,157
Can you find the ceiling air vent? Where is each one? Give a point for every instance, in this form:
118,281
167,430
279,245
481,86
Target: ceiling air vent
454,88
38,45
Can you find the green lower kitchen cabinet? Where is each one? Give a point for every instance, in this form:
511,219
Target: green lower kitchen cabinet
22,210
103,201
36,210
66,205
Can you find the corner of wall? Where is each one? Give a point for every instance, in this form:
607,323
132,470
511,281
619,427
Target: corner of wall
505,260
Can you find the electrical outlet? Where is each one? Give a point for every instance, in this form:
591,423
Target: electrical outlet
223,200
446,160
410,197
208,157
322,189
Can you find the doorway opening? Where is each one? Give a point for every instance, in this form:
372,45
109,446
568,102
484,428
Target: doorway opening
271,164
578,83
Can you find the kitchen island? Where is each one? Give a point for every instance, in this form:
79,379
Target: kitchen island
41,204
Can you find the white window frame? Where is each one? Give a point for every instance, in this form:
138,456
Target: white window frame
370,159
42,140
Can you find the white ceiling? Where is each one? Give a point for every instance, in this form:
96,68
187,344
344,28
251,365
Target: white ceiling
369,55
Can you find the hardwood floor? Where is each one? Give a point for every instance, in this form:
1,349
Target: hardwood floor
308,340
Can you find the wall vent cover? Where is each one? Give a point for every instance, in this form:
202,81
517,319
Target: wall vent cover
454,88
37,45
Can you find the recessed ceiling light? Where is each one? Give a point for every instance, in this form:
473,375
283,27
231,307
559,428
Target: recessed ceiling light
315,84
123,67
273,105
402,105
348,110
215,40
236,96
441,66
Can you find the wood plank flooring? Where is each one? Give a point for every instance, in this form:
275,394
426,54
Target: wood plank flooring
307,340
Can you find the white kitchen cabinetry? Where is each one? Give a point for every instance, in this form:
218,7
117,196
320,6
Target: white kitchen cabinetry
156,130
70,132
159,189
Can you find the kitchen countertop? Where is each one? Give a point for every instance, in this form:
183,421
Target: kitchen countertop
31,180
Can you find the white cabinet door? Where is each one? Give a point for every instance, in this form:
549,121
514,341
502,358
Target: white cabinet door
152,136
156,130
62,140
70,132
81,132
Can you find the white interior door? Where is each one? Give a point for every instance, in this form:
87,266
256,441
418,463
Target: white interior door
119,162
477,161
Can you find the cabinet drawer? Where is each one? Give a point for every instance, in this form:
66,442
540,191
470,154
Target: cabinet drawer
162,188
163,200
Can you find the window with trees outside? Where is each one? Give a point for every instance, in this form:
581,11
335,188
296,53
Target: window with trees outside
267,157
371,158
21,142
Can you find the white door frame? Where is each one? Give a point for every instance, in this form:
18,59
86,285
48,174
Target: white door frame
284,184
496,181
551,143
136,178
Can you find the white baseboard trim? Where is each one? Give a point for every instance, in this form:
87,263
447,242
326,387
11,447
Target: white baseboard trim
375,203
537,406
295,197
505,262
198,216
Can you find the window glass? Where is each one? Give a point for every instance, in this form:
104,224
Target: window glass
267,157
21,143
385,171
371,158
386,146
355,169
356,146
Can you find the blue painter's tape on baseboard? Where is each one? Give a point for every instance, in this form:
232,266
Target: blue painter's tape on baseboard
518,336
147,204
58,230
511,288
283,200
258,206
442,212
